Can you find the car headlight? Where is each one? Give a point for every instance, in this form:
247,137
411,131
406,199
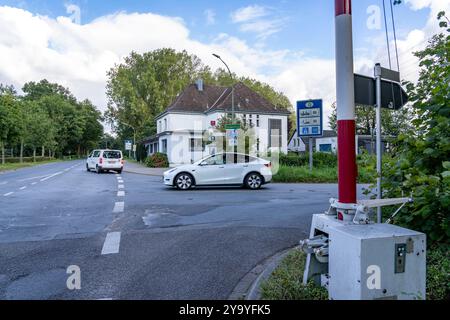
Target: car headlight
170,171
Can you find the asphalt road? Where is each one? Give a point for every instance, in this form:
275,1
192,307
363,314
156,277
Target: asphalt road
133,238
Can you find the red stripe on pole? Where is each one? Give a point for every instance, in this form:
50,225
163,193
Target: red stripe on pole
347,161
343,7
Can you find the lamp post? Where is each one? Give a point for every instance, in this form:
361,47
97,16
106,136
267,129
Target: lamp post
232,87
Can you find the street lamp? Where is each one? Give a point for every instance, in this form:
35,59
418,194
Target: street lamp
232,87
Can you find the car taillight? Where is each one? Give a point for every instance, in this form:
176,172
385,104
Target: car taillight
100,160
122,162
268,165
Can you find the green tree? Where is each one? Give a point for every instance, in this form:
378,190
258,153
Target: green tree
9,118
421,166
144,85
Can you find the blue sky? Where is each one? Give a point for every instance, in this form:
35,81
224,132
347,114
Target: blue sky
306,25
288,44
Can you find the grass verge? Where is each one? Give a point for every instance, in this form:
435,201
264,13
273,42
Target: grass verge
302,174
285,283
15,166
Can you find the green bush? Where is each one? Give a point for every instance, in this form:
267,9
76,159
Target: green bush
157,160
438,273
320,159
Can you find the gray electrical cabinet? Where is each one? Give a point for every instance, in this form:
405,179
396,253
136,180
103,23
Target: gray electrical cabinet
371,261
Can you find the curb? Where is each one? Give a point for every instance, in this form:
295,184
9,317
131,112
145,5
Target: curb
249,286
144,174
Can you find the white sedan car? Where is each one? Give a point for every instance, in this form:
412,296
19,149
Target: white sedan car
221,169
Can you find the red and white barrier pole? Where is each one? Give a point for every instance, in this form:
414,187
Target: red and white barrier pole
345,94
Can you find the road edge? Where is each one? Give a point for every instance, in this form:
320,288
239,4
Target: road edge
249,287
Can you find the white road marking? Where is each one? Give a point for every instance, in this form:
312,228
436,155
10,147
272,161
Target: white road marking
51,176
8,194
119,177
112,243
4,182
33,178
121,186
121,193
33,183
22,188
119,207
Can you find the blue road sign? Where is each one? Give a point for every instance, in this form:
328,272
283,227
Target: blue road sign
310,118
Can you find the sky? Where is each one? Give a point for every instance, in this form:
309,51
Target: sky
288,44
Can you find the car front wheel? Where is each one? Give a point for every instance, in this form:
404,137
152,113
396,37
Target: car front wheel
253,181
184,181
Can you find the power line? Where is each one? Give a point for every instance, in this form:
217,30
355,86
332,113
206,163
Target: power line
387,34
395,34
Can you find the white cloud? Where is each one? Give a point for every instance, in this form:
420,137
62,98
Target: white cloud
259,20
210,16
34,47
249,13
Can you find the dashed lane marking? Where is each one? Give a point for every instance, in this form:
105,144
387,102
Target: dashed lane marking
112,243
121,193
8,194
121,186
119,207
22,188
51,176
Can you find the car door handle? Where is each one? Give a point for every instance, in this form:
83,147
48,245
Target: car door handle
221,167
246,166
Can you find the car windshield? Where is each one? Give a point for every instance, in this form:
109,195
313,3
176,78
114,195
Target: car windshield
112,155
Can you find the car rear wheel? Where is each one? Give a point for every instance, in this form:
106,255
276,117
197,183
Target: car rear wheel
253,181
184,181
97,169
87,168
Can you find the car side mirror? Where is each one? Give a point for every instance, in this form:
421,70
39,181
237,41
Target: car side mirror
204,163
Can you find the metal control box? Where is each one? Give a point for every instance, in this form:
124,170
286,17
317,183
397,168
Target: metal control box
372,261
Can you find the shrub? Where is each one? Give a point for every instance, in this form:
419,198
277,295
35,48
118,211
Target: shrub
157,160
320,159
438,273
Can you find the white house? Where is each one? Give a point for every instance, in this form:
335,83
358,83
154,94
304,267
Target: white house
182,126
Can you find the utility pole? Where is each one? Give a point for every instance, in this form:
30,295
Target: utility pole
232,88
378,136
345,104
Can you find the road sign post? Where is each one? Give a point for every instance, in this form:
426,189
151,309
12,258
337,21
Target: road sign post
378,127
310,123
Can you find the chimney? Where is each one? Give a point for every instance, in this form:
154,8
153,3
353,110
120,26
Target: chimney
199,84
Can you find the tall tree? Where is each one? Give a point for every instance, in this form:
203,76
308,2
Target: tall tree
9,118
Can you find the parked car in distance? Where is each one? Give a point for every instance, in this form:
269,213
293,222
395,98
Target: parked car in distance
221,169
105,160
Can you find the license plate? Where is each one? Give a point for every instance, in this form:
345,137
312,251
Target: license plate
111,162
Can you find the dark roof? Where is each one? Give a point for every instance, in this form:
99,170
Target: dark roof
218,98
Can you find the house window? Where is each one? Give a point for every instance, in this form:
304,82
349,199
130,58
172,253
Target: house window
165,124
244,119
197,144
164,146
250,120
159,126
325,147
275,133
257,120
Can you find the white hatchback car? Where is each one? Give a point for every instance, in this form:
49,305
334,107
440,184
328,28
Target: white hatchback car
221,169
104,160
